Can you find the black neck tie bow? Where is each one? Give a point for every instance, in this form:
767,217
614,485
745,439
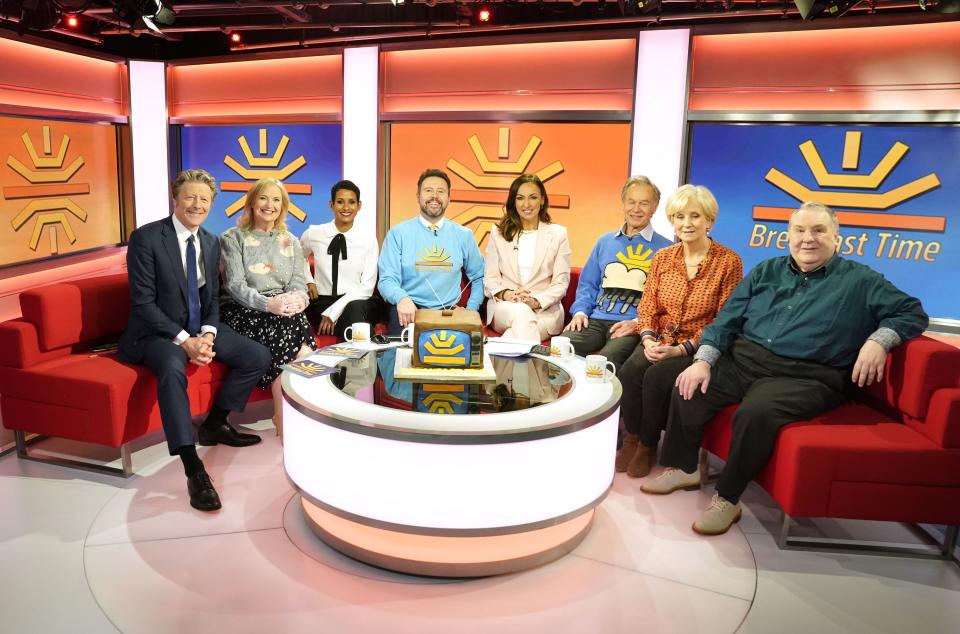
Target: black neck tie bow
337,251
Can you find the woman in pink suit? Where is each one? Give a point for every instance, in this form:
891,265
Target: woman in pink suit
527,266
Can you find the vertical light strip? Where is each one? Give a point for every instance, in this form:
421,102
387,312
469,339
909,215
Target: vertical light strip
148,127
659,112
361,105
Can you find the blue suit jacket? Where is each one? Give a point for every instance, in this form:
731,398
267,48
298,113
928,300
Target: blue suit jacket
158,286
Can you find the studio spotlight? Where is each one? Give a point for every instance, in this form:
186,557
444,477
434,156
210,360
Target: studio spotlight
648,6
811,9
484,14
149,13
38,16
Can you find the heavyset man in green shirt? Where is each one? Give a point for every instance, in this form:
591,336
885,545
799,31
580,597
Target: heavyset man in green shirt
782,346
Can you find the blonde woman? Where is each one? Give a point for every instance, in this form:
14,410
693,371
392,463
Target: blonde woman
265,294
687,285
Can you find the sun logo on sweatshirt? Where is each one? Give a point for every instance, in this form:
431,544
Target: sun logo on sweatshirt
434,256
636,258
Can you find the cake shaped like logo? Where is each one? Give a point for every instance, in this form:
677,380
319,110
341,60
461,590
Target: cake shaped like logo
49,190
443,348
492,184
867,198
262,166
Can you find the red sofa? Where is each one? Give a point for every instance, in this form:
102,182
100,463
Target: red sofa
52,384
893,455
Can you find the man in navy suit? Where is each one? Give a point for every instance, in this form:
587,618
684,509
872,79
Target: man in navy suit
173,266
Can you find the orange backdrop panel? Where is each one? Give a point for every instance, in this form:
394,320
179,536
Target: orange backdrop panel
904,67
58,188
302,87
591,75
583,166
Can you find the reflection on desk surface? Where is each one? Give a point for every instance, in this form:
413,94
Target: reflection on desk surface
522,383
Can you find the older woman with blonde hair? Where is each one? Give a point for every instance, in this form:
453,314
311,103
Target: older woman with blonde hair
265,294
687,285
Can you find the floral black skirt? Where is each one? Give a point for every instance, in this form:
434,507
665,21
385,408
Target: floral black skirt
282,336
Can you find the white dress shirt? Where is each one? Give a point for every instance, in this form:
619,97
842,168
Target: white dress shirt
356,276
182,235
526,250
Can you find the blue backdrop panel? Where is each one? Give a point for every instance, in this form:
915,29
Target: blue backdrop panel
312,159
735,162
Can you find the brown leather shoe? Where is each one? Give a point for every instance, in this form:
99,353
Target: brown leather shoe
626,451
642,462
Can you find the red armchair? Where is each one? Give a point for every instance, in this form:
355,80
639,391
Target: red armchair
53,384
893,456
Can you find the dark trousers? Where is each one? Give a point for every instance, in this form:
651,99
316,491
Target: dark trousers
595,339
247,360
646,393
772,391
368,310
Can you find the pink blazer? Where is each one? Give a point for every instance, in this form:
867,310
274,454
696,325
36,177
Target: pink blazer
551,270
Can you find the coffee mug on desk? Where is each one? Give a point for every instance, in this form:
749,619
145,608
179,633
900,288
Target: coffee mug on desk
357,333
406,337
596,368
561,347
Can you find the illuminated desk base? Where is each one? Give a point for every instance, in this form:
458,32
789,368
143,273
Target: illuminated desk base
445,556
459,495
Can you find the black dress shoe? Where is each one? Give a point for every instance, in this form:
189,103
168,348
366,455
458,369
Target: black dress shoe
203,496
224,434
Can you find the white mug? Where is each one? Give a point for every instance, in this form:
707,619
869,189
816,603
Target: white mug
357,333
561,347
406,337
596,368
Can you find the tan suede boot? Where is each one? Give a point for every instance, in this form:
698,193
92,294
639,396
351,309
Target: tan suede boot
625,453
642,461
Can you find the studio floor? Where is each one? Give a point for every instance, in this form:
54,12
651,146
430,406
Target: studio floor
82,552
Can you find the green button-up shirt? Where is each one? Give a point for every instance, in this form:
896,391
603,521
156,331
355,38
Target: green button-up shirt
824,315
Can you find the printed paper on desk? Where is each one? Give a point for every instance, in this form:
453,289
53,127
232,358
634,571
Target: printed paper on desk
346,352
309,369
504,347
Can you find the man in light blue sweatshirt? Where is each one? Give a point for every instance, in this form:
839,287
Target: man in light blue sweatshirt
423,258
612,280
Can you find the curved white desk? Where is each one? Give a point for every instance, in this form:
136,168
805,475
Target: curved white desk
450,495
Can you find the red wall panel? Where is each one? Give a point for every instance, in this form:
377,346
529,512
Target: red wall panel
296,88
906,67
591,75
46,82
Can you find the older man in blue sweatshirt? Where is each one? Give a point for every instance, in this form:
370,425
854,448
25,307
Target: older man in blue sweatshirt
423,258
612,280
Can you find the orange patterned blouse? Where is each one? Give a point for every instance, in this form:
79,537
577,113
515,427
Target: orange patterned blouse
676,308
